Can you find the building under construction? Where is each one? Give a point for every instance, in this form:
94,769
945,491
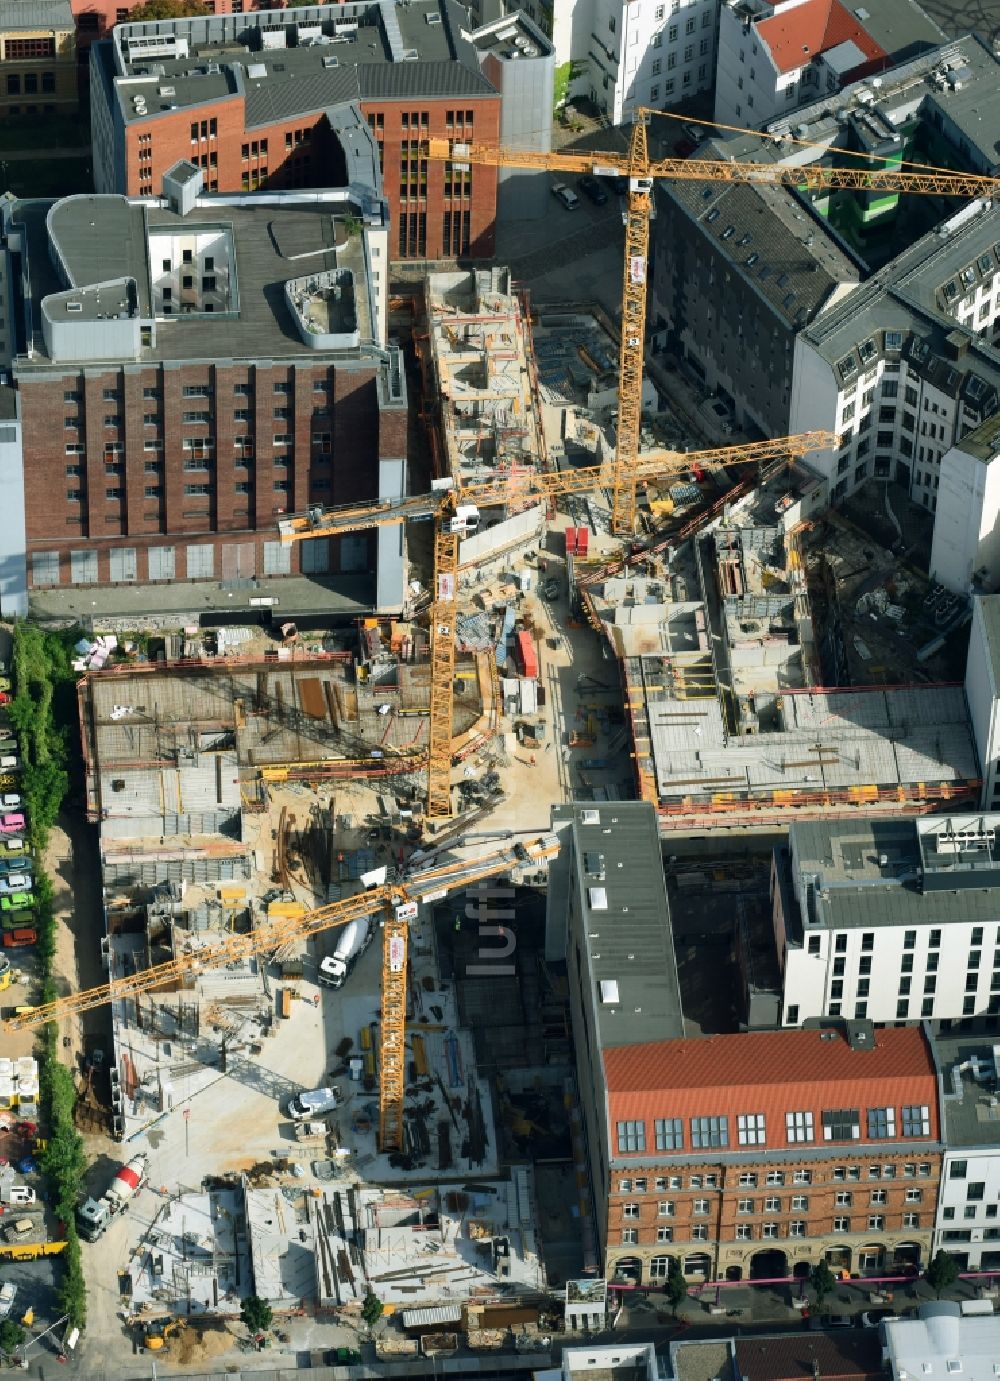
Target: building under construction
725,702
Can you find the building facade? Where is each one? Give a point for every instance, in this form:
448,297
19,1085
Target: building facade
755,1156
253,113
967,1224
775,56
169,406
965,551
38,68
982,693
890,920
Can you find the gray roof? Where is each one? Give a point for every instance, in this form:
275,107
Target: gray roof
265,236
892,872
628,942
396,54
984,443
968,1077
771,240
36,14
900,27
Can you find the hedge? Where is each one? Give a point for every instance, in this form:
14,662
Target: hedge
43,677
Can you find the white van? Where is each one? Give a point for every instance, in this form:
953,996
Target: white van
315,1102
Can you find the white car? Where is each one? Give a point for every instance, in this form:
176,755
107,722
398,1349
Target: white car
20,1194
16,882
8,1293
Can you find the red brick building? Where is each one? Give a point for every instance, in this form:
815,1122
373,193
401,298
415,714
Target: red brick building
172,411
244,97
758,1154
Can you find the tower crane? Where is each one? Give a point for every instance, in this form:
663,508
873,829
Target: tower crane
641,172
397,902
456,511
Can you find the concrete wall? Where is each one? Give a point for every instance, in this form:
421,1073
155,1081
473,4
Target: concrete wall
981,695
526,86
491,542
966,540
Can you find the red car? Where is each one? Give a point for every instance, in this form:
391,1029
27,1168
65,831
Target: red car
17,939
5,697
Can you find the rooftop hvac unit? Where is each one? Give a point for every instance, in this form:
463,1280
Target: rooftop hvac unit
330,61
212,69
530,51
166,91
433,19
410,55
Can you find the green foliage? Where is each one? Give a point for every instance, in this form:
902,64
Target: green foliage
11,1335
560,84
675,1287
942,1272
372,1309
822,1281
256,1313
41,711
168,9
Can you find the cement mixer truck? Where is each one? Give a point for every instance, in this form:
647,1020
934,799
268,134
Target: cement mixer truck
354,940
95,1215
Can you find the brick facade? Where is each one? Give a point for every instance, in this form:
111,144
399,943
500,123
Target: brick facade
141,457
435,213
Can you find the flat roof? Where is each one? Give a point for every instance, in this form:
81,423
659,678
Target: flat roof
289,63
274,238
624,921
36,14
969,1074
941,1334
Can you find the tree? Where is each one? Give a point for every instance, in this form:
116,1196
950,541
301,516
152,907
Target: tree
371,1309
11,1336
167,9
676,1287
257,1314
822,1281
942,1272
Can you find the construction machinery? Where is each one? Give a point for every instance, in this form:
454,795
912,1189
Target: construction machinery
94,1216
156,1333
396,901
456,513
641,172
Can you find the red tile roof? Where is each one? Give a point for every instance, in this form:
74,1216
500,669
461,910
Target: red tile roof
770,1072
796,35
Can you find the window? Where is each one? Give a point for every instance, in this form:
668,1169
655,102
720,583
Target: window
911,1220
772,1204
748,1180
796,1228
641,1184
843,1198
197,490
769,1229
152,394
916,1120
799,1126
813,944
881,1123
664,1234
958,1169
802,1177
841,1124
669,1134
625,1186
700,1207
630,1210
744,1232
665,1208
153,491
975,1191
709,1131
750,1128
45,568
201,562
744,1205
161,563
841,1224
878,1197
876,1222
83,567
914,1196
775,1177
631,1136
699,1232
630,1236
800,1204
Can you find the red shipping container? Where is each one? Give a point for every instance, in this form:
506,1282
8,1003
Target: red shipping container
527,657
571,541
582,540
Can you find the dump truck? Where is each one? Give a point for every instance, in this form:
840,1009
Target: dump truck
94,1216
354,940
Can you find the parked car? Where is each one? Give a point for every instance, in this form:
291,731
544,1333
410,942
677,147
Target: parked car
11,801
20,1195
16,920
592,189
19,939
12,823
15,901
873,1317
20,863
313,1103
8,1293
15,882
566,195
828,1321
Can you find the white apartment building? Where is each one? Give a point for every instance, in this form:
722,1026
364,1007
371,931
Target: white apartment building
890,920
982,693
776,55
623,54
967,1223
965,552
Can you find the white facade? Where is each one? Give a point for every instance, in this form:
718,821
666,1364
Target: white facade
962,1224
966,542
749,88
630,53
981,694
